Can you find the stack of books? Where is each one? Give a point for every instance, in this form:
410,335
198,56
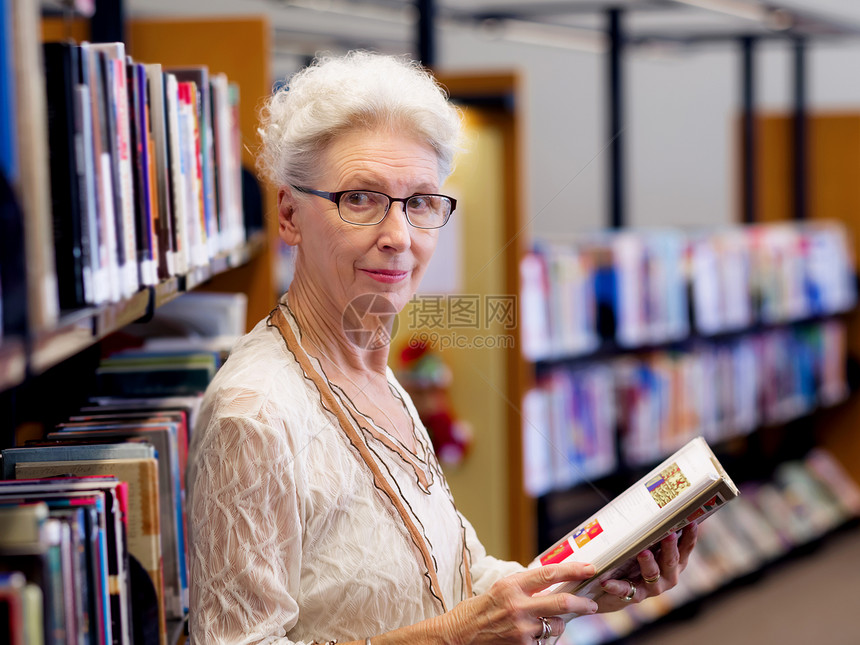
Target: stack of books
102,494
156,187
111,479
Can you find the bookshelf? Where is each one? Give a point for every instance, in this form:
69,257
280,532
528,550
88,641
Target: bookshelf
59,352
833,143
176,42
80,329
768,450
627,403
622,36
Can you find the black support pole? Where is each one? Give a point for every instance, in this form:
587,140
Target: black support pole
426,32
108,22
748,205
801,148
616,104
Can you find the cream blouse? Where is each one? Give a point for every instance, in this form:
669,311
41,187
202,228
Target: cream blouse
307,521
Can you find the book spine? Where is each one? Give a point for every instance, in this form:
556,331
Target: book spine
140,164
149,176
178,184
8,96
162,178
131,271
69,252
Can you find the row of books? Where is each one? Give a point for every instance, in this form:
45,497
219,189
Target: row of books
576,419
805,500
134,434
143,181
157,190
639,288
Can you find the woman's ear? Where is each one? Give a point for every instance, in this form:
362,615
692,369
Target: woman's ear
287,228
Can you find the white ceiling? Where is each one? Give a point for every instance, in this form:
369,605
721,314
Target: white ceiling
303,27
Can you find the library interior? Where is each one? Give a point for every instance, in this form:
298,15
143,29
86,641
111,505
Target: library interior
642,312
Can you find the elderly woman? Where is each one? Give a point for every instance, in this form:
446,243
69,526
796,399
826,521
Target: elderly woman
318,512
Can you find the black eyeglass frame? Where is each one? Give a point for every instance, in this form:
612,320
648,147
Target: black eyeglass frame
335,199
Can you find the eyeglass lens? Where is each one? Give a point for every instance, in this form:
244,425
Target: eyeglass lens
368,207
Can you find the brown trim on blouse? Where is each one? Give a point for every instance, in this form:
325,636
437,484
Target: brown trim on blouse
335,407
395,447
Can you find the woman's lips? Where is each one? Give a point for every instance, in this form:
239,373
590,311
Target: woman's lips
387,276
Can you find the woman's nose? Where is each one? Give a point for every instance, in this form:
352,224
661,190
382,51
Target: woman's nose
394,229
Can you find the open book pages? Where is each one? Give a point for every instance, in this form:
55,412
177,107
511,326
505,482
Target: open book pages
685,488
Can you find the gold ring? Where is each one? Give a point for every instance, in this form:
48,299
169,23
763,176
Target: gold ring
630,593
651,581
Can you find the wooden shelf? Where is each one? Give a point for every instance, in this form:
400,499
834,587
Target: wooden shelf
80,329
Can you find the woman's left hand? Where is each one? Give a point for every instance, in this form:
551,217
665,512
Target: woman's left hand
656,573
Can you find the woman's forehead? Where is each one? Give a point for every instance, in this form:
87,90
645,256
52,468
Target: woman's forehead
378,158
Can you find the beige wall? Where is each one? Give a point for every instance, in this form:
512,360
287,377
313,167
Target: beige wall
478,390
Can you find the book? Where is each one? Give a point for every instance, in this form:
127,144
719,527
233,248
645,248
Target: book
199,100
95,135
143,525
26,536
178,172
70,574
189,404
119,139
151,374
71,244
228,163
161,171
687,487
70,452
144,210
8,134
95,270
192,172
12,585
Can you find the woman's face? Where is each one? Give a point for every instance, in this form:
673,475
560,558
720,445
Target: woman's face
341,261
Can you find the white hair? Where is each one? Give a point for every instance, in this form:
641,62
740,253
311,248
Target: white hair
336,95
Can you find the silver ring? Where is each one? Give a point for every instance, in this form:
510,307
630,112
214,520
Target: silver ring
546,630
630,593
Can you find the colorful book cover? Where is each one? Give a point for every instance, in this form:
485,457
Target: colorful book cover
200,99
69,574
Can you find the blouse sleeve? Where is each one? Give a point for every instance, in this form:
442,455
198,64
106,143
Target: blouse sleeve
246,536
485,568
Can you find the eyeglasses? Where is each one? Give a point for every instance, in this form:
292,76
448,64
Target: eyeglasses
368,207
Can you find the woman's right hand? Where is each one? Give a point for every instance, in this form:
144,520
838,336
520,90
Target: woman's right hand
510,611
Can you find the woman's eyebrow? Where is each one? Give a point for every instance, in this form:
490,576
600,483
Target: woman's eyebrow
368,182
